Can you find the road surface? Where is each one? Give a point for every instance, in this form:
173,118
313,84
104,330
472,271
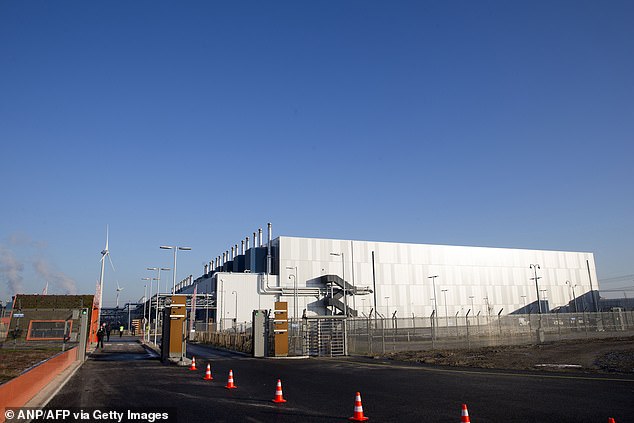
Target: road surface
323,390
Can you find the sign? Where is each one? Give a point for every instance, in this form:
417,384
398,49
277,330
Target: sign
18,315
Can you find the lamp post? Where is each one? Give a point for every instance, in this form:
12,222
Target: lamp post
144,301
175,248
294,289
444,291
149,309
433,281
535,267
236,314
343,278
574,297
158,289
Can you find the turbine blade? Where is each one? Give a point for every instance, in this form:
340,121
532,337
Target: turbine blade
109,259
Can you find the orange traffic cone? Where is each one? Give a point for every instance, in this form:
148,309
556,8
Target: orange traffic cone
208,373
193,366
278,393
230,384
358,410
465,415
611,420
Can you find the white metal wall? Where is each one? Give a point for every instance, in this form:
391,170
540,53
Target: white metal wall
471,276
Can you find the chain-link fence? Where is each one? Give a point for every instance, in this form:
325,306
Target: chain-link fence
377,335
370,336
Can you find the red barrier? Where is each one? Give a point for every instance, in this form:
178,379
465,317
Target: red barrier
18,391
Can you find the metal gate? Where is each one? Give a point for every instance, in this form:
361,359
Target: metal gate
325,336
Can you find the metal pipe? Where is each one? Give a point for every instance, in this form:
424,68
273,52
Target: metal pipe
268,250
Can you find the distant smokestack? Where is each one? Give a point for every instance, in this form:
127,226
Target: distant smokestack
260,236
205,269
255,239
242,248
237,253
247,242
268,249
232,254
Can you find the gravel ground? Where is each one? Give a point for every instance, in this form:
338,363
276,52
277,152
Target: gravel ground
612,355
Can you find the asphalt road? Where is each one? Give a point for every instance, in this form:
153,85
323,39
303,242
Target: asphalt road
323,390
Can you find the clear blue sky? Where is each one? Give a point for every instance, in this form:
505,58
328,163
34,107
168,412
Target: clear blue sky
490,123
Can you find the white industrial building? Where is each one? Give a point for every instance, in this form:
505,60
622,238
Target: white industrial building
391,279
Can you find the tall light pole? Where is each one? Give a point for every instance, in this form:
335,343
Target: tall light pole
236,314
535,267
149,309
574,297
158,289
144,301
295,290
544,295
175,248
433,281
444,291
343,278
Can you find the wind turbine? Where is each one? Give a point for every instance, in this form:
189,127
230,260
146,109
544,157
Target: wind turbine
105,252
119,289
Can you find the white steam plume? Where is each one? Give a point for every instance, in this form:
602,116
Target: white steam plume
11,270
57,278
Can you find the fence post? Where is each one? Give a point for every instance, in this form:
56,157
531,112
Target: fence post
466,318
383,333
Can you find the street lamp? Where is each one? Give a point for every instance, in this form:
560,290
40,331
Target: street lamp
149,308
544,296
444,291
343,278
175,248
144,301
158,290
295,290
574,297
535,267
236,318
433,281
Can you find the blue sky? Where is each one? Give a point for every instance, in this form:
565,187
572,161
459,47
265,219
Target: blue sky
492,123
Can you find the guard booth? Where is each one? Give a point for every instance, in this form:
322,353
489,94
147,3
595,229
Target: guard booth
173,342
280,328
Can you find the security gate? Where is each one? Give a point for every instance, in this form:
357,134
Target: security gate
325,336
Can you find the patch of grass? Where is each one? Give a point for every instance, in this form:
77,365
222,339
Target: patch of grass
14,361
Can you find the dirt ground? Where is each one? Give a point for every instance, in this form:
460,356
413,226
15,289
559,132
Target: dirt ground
612,355
15,361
